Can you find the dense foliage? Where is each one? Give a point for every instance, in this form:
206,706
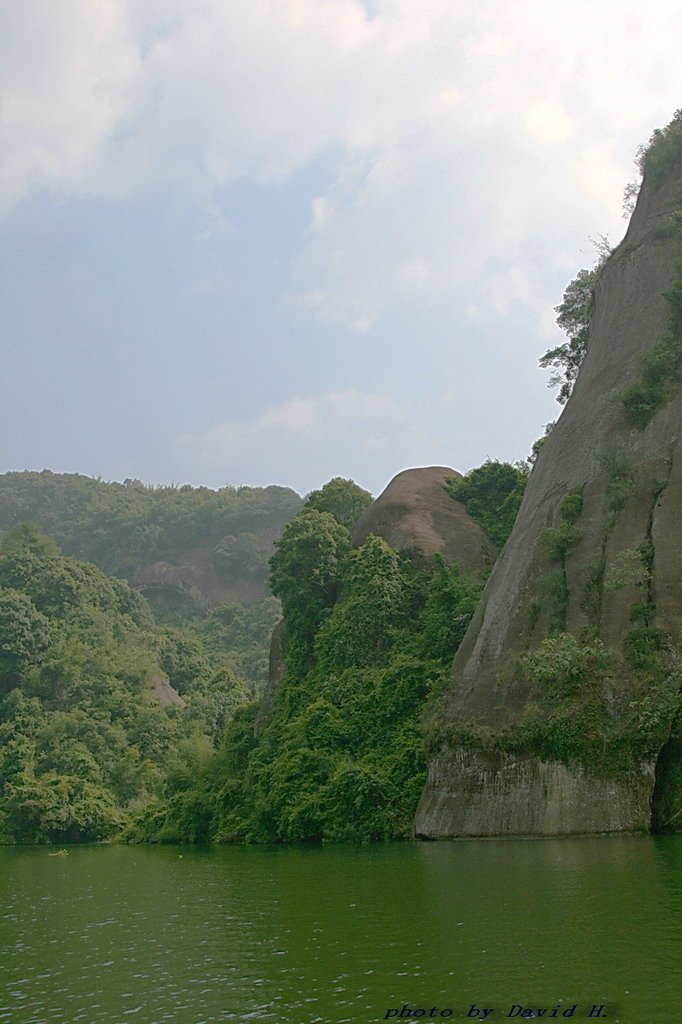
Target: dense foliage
122,526
236,633
578,716
83,738
343,498
663,151
369,638
492,495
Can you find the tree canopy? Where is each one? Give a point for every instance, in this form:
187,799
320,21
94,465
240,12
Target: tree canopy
120,526
492,495
83,738
343,498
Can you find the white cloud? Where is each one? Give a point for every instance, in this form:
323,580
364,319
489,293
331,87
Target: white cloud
299,424
461,131
68,80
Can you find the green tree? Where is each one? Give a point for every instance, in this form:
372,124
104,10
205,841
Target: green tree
182,658
574,318
55,808
28,536
343,498
373,602
451,600
24,636
306,574
492,495
81,734
240,556
663,150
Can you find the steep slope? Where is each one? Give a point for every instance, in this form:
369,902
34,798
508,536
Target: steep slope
565,689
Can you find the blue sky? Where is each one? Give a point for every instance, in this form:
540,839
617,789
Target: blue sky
286,240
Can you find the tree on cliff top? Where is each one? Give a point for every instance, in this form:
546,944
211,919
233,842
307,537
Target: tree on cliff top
491,495
573,316
343,498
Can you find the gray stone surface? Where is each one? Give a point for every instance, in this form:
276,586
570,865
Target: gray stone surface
276,669
499,794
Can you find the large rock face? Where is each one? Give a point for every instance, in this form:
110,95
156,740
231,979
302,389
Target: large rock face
630,481
193,579
416,516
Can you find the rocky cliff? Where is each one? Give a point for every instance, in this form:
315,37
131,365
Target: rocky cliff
192,578
561,713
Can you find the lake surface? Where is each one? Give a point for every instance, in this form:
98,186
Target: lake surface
112,934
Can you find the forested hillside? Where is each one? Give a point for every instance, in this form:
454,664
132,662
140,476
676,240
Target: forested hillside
87,749
83,737
200,556
120,527
338,752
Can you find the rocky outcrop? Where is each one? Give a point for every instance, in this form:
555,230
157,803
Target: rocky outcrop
553,575
276,669
502,794
416,516
166,695
194,579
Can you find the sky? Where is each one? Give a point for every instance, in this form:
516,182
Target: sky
278,241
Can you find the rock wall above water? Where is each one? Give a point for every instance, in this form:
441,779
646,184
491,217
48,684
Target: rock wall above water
552,579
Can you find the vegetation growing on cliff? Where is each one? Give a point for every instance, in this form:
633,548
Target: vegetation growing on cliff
574,313
576,715
603,710
660,367
492,495
581,717
558,541
662,152
660,373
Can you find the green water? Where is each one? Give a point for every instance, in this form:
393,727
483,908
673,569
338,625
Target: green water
342,934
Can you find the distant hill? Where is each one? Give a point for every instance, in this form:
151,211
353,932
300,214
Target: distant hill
210,547
199,556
